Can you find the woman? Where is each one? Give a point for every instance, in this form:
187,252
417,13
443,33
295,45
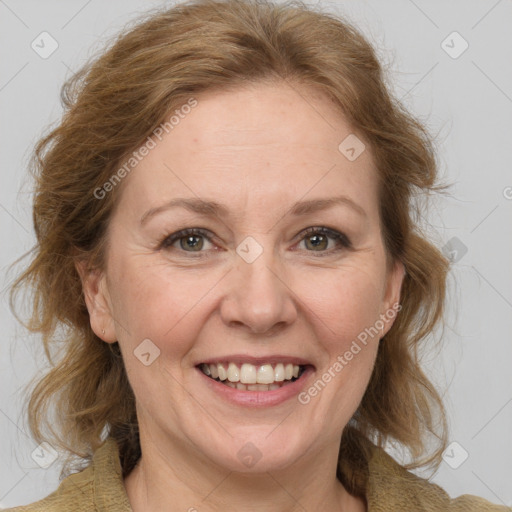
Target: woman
225,228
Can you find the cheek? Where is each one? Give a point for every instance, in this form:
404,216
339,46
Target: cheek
345,301
345,311
153,302
349,310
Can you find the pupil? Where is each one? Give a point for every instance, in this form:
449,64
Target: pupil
190,242
318,240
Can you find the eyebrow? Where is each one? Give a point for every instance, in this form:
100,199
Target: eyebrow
213,209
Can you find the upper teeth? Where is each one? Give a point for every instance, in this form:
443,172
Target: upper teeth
250,374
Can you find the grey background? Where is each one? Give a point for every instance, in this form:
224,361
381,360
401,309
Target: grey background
466,101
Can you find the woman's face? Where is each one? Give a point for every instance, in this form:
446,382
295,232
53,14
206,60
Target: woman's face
248,285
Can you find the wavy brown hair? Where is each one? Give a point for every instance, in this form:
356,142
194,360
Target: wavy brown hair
114,103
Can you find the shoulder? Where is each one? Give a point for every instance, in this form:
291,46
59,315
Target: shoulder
471,503
391,487
76,488
98,487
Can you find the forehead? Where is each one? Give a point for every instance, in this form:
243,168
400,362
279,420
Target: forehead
260,145
264,114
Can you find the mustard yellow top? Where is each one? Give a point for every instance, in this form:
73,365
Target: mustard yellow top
390,488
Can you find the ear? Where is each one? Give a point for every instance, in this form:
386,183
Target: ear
391,300
97,299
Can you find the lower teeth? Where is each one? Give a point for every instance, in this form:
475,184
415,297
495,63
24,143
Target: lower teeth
255,387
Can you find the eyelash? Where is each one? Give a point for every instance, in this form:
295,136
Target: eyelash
342,240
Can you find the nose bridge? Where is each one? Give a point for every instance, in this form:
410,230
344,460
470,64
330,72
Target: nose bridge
260,270
259,297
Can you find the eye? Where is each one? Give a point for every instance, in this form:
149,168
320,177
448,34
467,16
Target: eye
192,238
316,240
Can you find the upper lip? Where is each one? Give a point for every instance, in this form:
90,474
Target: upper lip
239,359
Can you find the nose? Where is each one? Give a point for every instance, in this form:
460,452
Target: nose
258,298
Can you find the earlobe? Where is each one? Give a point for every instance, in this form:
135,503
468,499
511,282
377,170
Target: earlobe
97,300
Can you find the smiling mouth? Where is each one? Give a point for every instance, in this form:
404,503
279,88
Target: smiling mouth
248,377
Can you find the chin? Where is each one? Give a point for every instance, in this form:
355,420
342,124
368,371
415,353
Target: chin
259,451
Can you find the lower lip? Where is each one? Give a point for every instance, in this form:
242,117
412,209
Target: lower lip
259,398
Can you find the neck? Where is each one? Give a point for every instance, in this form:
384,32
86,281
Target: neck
167,477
